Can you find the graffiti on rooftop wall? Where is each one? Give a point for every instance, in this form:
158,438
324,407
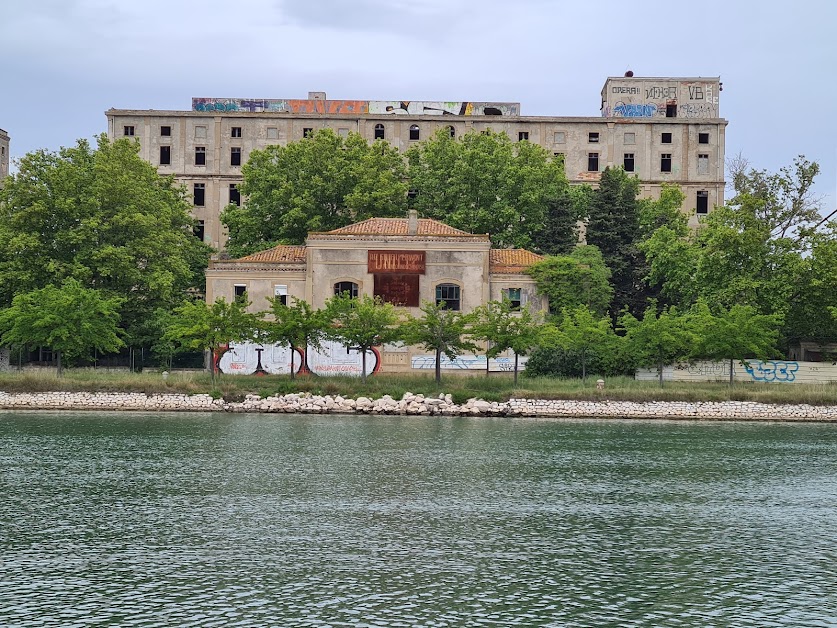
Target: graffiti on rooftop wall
411,107
691,99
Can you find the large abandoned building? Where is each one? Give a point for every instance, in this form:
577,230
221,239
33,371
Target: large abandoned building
4,156
664,130
404,261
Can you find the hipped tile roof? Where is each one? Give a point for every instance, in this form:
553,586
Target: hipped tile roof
281,253
399,226
511,261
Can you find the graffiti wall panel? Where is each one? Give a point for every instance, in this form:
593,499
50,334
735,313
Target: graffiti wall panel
334,358
468,363
358,107
249,358
762,371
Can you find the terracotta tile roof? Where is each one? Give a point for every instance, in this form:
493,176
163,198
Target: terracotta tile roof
398,226
281,253
511,261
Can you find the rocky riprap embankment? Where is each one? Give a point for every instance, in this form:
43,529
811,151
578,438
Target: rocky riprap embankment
417,404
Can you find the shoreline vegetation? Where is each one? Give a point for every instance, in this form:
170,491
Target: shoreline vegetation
494,388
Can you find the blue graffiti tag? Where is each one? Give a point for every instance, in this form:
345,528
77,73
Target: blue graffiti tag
772,371
635,111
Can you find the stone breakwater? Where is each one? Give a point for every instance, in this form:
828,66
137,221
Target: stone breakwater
413,404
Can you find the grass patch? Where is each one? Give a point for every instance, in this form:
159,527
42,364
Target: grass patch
460,387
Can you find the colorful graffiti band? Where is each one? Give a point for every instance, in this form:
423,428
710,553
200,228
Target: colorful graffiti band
355,107
772,371
332,358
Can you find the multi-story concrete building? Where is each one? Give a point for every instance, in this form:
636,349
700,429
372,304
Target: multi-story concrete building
4,156
664,130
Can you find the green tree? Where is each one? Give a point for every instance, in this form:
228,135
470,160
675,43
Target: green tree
564,214
658,338
69,319
104,217
613,226
362,323
580,278
485,183
212,326
581,331
736,333
295,325
440,330
504,328
319,183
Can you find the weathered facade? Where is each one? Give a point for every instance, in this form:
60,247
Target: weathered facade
405,261
4,156
664,130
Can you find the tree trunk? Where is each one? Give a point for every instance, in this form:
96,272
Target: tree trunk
438,367
363,366
515,368
730,372
583,365
58,364
293,351
660,371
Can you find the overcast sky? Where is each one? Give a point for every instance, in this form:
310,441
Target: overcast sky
64,62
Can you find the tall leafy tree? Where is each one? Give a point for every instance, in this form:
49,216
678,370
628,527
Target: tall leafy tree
485,183
362,323
613,226
659,338
104,217
504,327
295,325
581,331
441,331
69,319
319,183
212,326
564,215
580,278
736,333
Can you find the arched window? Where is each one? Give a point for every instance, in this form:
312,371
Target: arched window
448,295
415,134
379,131
452,131
346,286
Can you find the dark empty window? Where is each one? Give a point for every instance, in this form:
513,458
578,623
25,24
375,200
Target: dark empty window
165,155
235,156
671,110
703,138
411,195
628,162
199,196
522,135
513,295
347,287
593,138
129,131
379,132
592,162
200,155
235,131
452,131
447,295
702,205
199,230
240,291
666,138
165,131
665,162
307,131
235,195
415,133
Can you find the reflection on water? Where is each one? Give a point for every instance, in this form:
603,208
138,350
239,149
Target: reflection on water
247,520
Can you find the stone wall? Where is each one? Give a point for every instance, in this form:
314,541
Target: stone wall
411,404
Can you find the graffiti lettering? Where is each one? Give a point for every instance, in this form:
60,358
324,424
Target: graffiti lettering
624,90
634,111
772,371
358,107
695,93
661,92
703,110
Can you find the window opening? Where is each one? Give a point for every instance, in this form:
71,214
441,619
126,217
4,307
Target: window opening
165,131
235,195
415,133
349,287
702,205
665,162
379,132
514,297
592,162
200,155
235,156
703,138
448,296
666,138
199,195
129,131
593,138
235,131
628,162
165,155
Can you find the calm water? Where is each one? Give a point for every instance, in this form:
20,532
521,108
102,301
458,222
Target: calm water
255,520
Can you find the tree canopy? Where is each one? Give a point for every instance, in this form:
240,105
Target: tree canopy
440,330
580,278
319,183
104,217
